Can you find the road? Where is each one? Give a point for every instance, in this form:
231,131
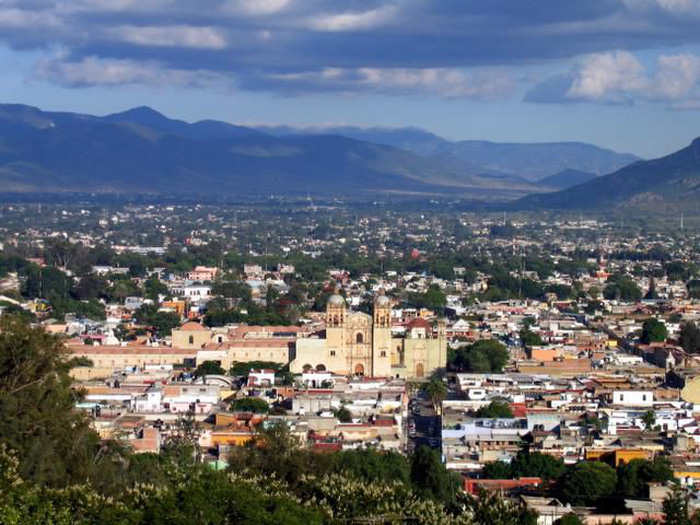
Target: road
427,424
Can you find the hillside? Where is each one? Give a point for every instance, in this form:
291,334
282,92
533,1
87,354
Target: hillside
669,181
528,161
566,179
142,151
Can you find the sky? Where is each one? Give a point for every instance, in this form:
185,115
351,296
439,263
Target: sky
623,74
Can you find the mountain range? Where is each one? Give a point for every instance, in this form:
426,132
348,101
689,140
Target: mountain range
666,183
143,151
531,162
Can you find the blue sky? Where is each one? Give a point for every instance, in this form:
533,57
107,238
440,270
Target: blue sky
619,73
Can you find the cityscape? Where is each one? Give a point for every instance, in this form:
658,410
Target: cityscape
241,282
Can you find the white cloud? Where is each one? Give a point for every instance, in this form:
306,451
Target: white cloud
675,7
171,36
621,77
258,7
91,71
448,83
353,21
608,77
675,77
18,18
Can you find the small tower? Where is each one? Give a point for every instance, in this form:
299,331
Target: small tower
336,314
381,336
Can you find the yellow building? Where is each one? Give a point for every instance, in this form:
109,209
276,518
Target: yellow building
356,343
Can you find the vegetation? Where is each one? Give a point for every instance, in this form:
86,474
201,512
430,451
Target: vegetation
251,404
653,331
487,355
495,409
689,337
209,368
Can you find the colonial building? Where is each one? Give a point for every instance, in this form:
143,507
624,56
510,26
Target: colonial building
356,343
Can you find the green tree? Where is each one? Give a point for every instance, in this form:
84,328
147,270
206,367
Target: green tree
495,409
530,338
488,508
649,419
53,442
487,355
436,391
633,477
251,404
588,482
431,477
675,507
570,519
653,331
497,470
535,464
622,288
689,337
209,368
343,415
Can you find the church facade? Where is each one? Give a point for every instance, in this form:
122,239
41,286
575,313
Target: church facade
356,343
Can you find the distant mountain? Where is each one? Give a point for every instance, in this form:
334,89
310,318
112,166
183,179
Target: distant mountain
202,130
671,181
528,161
142,151
566,179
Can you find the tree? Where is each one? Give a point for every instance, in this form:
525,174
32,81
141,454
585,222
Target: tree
436,391
689,337
209,368
251,404
652,293
570,519
653,331
675,507
343,415
649,419
633,477
495,409
488,508
535,464
530,338
622,288
588,482
54,443
497,470
487,355
431,477
163,322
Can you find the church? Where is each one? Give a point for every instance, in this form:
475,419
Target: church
356,343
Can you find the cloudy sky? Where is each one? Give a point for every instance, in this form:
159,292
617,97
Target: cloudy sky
620,73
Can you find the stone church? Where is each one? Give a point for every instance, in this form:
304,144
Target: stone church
356,343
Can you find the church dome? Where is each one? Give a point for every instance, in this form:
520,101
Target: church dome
336,300
383,300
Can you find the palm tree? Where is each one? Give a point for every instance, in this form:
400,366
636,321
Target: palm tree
437,392
649,419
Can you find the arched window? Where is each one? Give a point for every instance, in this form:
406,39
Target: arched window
320,368
359,369
359,338
419,370
306,368
191,339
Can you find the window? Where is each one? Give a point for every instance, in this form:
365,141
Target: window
359,338
382,353
332,352
191,339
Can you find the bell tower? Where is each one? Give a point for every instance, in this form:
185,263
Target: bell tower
336,314
381,336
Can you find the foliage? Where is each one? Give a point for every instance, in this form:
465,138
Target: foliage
530,338
675,507
495,409
163,322
622,288
433,298
588,482
343,415
649,419
251,404
488,507
436,391
54,444
570,519
653,331
487,355
633,477
243,369
431,478
689,337
526,465
209,368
